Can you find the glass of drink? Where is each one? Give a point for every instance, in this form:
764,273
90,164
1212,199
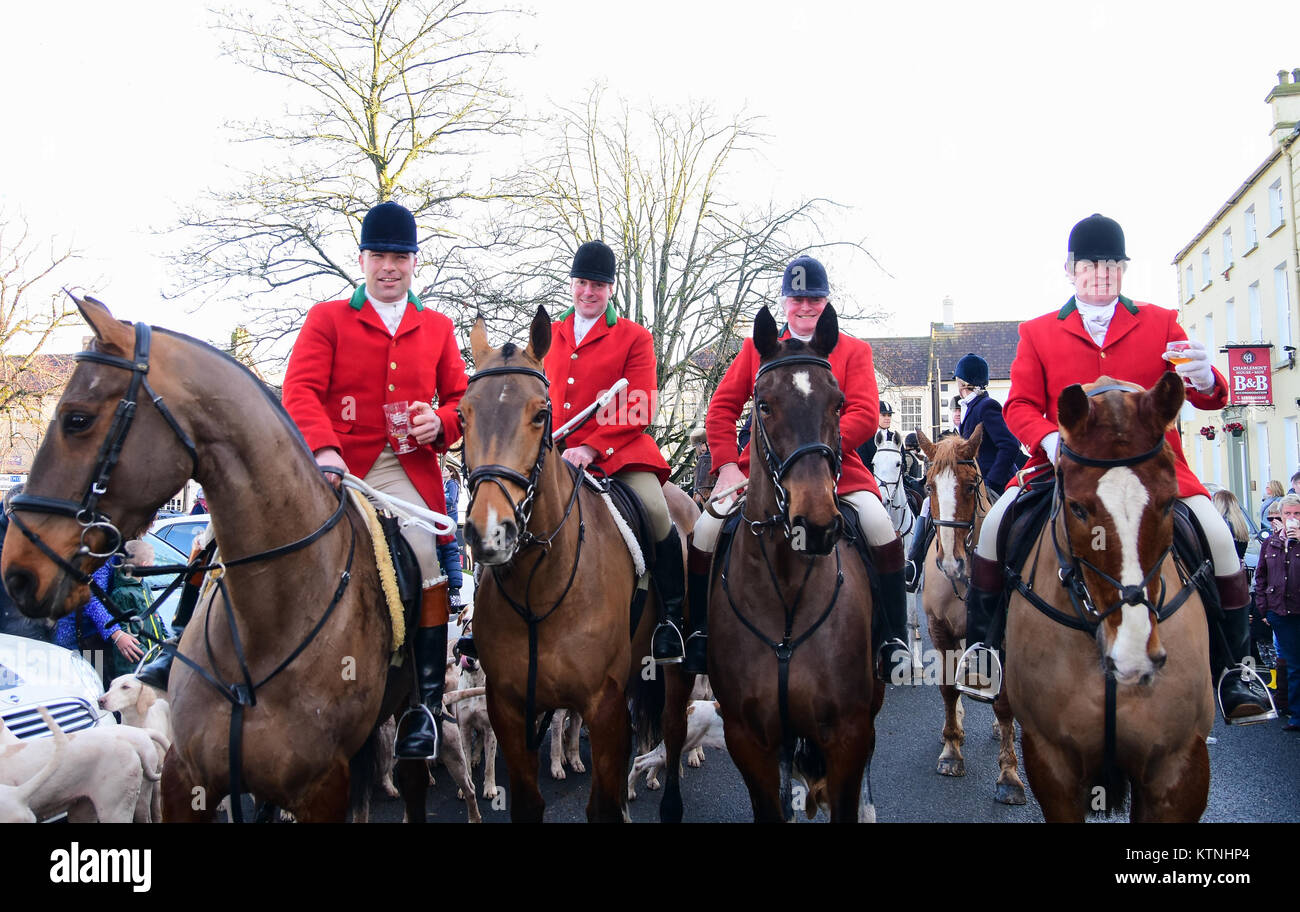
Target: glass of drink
399,426
1176,353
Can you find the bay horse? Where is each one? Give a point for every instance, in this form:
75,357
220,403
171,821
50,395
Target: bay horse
551,610
957,509
790,649
307,716
1104,615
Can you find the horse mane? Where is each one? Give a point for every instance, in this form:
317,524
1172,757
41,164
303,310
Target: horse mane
277,407
945,453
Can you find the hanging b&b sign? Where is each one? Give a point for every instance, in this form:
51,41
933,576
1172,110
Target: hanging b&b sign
1250,375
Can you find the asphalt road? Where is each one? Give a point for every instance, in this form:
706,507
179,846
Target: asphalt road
1254,776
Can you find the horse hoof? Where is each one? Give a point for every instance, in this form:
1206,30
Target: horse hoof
955,767
1009,793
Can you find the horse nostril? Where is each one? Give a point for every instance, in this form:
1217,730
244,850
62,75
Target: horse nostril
1159,659
21,586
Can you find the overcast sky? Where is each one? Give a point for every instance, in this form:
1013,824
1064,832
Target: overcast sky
963,139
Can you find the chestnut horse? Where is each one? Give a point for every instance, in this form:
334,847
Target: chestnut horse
124,454
1104,564
790,656
551,611
957,508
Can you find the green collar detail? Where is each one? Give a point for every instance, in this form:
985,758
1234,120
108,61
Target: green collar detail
359,298
611,315
1070,307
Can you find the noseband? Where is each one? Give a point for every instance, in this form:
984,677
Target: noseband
778,469
86,511
968,525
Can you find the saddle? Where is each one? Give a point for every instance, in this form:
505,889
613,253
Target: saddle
405,566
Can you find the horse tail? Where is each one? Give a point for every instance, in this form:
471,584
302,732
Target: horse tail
810,766
648,698
1109,794
362,771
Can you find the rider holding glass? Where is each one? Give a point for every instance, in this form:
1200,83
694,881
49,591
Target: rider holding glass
1099,332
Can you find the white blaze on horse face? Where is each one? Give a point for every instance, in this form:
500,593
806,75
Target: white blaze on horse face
802,383
1124,496
945,487
496,534
505,390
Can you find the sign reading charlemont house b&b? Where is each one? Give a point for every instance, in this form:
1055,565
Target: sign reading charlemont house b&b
1250,374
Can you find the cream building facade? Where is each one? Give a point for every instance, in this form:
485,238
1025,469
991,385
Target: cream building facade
1239,282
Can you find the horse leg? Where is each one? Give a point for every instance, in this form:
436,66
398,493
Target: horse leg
1176,790
1055,779
951,761
610,729
846,761
1010,790
678,686
326,799
413,784
182,803
526,803
760,767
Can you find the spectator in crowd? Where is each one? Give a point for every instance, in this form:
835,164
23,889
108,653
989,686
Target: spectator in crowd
71,631
1273,517
1277,590
1295,484
200,504
1272,494
449,552
1226,503
13,621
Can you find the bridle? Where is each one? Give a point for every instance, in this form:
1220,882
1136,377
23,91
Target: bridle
895,491
86,511
776,468
969,524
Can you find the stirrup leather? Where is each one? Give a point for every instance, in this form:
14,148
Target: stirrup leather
1246,672
966,668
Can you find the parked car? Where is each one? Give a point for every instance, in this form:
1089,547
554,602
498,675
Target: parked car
180,531
35,674
164,553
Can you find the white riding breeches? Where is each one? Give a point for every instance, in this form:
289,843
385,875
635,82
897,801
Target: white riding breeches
872,515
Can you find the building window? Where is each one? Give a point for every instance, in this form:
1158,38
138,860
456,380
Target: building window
910,414
1227,248
1187,284
1205,267
1275,205
1209,335
1256,314
1261,444
1252,240
1230,321
1282,294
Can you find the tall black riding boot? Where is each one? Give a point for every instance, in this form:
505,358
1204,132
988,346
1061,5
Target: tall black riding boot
698,564
916,555
979,672
667,644
419,731
895,657
157,672
1243,697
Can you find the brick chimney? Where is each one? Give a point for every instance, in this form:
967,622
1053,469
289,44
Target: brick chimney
1285,100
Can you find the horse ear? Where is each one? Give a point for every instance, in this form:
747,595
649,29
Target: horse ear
1072,408
924,443
1166,398
972,444
766,338
827,334
478,342
880,437
539,336
113,335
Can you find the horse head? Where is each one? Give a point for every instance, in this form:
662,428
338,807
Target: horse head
952,483
507,426
1117,487
797,405
92,484
887,463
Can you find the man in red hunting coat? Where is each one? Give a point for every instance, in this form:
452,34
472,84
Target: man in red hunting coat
354,356
805,290
1101,332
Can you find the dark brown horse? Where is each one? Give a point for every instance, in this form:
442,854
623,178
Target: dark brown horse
551,612
1109,538
200,414
957,508
790,656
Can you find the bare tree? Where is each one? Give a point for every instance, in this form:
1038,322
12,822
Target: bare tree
694,265
390,98
32,309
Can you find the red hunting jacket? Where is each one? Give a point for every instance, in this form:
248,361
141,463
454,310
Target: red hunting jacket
854,370
345,366
580,373
1055,351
